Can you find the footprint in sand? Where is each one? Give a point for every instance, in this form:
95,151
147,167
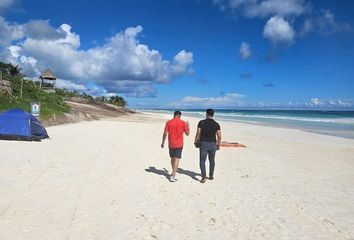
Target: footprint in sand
114,202
212,221
212,204
152,236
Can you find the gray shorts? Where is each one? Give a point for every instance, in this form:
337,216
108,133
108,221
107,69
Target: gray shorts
175,152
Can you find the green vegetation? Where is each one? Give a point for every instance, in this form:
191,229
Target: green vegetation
115,100
51,103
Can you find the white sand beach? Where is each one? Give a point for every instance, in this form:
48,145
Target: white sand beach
106,179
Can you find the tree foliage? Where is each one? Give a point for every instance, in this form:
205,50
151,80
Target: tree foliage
115,100
8,70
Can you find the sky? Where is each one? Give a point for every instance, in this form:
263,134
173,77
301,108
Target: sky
295,54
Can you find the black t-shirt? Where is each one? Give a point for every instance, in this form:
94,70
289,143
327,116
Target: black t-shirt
209,128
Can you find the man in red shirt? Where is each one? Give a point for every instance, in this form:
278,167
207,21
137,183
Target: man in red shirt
174,129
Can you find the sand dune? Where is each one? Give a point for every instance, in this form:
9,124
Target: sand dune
107,180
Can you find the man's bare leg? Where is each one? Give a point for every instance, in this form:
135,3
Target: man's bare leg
174,165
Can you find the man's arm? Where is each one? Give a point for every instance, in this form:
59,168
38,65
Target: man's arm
186,130
164,135
197,135
218,141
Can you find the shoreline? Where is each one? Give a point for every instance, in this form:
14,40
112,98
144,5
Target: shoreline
266,131
333,133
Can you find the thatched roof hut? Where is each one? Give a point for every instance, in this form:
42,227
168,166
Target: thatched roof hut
48,75
48,81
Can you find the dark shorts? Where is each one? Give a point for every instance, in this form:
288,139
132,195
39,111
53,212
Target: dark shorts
175,152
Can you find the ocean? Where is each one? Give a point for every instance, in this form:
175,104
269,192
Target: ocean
335,123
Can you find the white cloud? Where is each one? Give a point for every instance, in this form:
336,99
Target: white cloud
236,100
224,101
278,30
40,29
184,58
27,63
264,8
4,4
276,7
325,103
143,91
60,83
316,101
121,60
9,32
325,23
182,62
307,27
341,103
130,88
245,50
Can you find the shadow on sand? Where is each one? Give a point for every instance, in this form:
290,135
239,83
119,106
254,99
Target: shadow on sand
161,172
164,172
191,174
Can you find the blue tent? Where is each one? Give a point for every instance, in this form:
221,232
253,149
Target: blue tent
17,124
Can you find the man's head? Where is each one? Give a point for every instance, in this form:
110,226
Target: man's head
177,114
210,113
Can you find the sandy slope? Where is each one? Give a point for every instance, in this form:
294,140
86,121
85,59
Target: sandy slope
86,112
107,180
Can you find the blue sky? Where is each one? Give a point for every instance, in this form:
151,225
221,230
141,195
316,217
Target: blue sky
189,53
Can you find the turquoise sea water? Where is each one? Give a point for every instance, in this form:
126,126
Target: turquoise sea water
337,123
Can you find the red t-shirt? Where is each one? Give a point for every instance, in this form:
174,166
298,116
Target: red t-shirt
175,129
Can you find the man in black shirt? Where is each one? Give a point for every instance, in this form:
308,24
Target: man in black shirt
209,135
